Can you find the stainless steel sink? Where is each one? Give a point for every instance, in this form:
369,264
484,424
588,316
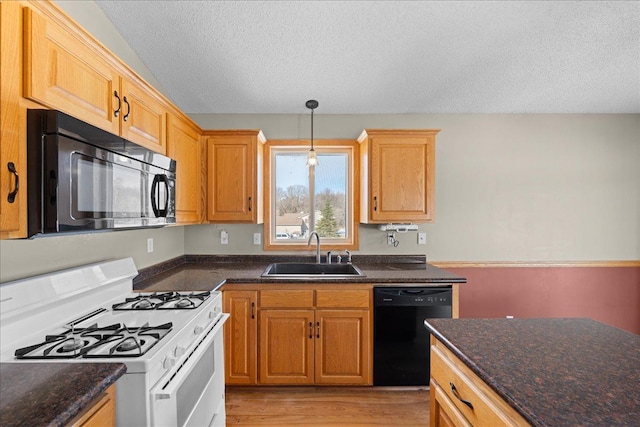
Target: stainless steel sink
304,270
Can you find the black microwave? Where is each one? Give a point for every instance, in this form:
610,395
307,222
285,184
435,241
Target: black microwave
82,178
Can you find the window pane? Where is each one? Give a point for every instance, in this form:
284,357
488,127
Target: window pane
331,195
292,204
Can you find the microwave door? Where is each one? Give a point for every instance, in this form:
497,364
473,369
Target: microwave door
106,191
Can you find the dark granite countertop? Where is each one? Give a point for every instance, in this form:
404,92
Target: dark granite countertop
209,272
51,394
554,372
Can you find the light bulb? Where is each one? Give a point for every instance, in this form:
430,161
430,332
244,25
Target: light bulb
312,158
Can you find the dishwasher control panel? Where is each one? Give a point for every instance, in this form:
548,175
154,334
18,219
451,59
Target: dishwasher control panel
422,296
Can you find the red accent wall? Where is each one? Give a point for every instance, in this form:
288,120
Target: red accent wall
608,294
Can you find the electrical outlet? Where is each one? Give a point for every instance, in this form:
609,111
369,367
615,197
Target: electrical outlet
224,238
150,245
390,239
257,238
422,238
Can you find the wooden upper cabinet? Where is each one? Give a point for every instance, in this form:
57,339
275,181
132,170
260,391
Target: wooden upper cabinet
13,153
184,146
398,175
143,116
64,71
234,175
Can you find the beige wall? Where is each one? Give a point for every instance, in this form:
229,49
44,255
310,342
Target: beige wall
537,187
508,187
29,257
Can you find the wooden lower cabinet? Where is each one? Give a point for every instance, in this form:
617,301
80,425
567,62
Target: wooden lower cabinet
305,336
343,347
286,346
314,347
101,413
458,397
240,337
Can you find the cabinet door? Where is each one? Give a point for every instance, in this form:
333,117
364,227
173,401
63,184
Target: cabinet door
13,154
183,145
240,337
62,72
343,347
234,188
399,169
143,116
286,346
442,412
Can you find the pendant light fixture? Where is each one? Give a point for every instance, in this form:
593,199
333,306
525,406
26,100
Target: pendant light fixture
312,157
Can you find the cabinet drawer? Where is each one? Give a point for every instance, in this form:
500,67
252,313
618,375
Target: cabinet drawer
351,298
301,298
447,371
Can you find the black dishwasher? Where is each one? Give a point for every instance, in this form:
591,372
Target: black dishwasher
401,341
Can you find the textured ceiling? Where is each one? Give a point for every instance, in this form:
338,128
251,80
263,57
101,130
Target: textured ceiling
378,57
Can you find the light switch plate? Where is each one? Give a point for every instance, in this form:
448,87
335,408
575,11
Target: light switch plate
257,238
422,238
224,238
150,245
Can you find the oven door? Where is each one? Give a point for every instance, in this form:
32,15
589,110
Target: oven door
193,394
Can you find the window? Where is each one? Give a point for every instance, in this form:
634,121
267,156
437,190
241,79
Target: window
302,199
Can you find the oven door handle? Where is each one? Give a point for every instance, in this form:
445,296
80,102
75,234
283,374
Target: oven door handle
168,388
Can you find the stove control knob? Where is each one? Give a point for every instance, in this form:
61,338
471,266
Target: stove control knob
168,362
179,351
198,330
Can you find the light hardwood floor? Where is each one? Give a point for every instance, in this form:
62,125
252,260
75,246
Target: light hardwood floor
327,406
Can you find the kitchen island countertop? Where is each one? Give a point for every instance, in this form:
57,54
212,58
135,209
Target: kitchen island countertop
554,372
51,394
201,273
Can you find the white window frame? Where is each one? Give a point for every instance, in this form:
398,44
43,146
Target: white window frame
348,146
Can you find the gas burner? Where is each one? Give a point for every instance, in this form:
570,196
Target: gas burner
129,344
143,304
72,344
184,303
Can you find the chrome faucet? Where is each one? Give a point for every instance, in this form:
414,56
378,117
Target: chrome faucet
349,256
313,233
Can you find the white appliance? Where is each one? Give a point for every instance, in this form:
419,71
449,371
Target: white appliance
170,342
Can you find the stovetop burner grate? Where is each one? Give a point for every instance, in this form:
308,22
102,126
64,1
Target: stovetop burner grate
163,301
115,340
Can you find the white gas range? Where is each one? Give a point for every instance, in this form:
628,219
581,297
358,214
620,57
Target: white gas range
170,342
